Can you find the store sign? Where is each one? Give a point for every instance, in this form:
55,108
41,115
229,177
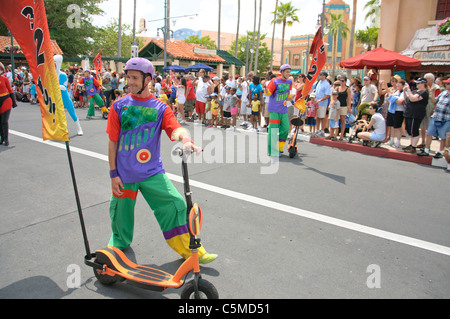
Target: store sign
433,56
204,51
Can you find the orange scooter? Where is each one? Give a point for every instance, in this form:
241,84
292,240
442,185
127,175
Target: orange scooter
111,265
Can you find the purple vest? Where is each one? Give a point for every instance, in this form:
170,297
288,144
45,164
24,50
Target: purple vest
89,86
278,100
138,152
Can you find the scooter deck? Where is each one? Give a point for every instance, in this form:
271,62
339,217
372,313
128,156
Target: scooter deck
120,265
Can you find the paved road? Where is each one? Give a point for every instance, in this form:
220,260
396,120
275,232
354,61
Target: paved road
329,224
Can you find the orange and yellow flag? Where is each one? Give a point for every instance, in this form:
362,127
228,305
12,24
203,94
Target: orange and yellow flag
27,21
318,61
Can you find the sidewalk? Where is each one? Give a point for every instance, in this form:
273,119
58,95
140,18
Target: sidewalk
383,150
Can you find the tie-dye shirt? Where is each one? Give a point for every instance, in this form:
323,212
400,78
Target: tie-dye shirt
279,90
90,85
136,125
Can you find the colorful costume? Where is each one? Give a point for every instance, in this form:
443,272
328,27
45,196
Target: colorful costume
7,101
136,125
279,90
68,104
91,86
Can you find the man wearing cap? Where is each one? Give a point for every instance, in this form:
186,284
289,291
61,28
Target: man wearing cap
278,91
135,124
322,91
440,120
369,92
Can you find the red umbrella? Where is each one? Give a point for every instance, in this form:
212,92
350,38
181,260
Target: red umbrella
381,58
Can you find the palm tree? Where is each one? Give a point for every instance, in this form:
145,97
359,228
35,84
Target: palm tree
253,40
374,7
237,29
220,15
285,14
273,36
352,35
337,28
257,42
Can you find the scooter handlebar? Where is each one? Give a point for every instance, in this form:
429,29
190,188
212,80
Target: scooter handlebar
180,152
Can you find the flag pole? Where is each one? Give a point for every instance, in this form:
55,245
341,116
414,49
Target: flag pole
77,198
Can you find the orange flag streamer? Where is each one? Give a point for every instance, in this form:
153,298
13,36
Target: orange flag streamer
27,21
319,58
98,63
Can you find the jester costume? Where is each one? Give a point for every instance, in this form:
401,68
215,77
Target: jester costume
136,125
91,86
278,89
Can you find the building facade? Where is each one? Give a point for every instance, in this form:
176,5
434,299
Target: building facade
409,27
296,51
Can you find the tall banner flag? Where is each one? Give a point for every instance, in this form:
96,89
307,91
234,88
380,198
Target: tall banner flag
98,63
27,21
319,58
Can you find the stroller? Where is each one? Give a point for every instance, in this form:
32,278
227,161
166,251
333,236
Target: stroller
363,112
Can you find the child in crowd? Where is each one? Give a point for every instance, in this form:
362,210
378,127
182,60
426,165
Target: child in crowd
214,109
256,104
226,108
208,114
334,109
33,92
356,98
235,102
311,113
163,98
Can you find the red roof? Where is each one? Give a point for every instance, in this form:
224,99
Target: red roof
182,50
6,41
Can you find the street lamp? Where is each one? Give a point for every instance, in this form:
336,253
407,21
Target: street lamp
322,20
165,33
247,45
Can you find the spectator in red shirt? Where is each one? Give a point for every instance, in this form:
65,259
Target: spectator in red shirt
7,101
190,97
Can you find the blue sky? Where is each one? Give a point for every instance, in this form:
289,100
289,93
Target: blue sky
207,16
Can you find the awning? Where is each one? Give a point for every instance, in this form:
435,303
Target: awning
429,47
230,59
382,59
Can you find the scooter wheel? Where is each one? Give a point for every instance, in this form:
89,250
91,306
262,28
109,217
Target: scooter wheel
105,115
104,279
206,290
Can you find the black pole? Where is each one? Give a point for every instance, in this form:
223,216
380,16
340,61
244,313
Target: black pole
77,198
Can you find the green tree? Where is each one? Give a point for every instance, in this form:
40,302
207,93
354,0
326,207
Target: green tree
264,52
205,41
368,36
76,40
337,28
374,7
286,15
107,39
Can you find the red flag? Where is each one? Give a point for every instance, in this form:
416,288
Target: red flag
98,63
27,21
317,63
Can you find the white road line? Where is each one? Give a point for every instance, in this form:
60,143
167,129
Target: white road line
272,205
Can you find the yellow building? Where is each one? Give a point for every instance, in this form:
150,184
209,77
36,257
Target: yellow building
295,51
408,27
